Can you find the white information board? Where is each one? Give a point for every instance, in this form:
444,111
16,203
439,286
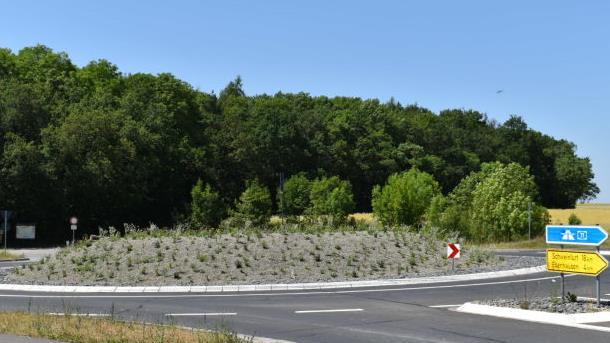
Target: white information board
26,231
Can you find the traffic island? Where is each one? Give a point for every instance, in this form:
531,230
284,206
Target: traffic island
541,311
258,258
571,305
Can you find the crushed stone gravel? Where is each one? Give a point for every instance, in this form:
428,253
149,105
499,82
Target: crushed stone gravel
264,257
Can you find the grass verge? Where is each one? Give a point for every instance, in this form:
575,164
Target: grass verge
9,256
535,243
75,329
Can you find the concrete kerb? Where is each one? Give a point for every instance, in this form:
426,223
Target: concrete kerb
577,320
271,287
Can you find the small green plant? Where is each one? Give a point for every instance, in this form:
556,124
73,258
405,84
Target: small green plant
574,220
571,297
524,305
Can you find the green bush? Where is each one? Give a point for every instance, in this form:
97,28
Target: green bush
294,198
331,197
254,204
499,204
491,205
207,209
405,197
574,220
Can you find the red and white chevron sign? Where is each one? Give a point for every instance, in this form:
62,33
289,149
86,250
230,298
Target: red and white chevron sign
453,250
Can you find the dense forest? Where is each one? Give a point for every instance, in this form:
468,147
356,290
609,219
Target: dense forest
112,147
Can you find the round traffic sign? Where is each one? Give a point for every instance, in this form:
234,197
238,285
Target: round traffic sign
73,220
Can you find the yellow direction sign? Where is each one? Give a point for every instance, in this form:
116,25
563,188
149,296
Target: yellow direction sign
576,262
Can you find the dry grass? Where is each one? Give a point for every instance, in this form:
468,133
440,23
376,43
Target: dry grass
590,214
89,330
365,217
9,256
535,243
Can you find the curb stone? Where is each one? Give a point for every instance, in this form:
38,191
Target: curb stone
272,287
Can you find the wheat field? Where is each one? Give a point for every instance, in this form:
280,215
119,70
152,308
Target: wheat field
590,214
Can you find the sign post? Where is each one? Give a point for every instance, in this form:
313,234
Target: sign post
453,252
73,222
5,228
577,262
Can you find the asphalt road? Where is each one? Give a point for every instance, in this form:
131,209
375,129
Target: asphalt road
386,314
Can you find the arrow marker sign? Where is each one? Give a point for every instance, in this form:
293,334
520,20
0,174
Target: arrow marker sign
577,262
453,250
575,235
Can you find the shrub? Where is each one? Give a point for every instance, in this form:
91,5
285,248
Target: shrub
331,197
574,220
405,197
254,204
293,198
207,208
499,208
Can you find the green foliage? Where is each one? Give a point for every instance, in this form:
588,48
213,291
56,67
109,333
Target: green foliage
114,148
207,209
574,220
332,197
571,297
254,204
294,197
405,197
492,205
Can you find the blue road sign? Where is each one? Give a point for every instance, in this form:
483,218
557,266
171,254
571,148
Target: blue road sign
575,235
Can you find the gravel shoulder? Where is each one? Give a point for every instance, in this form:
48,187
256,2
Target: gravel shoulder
256,258
549,304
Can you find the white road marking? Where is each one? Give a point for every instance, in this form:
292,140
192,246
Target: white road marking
445,306
331,311
201,314
79,314
283,293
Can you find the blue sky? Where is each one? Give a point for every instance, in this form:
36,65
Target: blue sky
551,58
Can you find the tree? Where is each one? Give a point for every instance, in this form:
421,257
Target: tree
294,196
405,197
499,208
254,204
207,209
332,197
113,147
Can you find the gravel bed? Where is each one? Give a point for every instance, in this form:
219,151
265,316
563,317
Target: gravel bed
256,259
549,304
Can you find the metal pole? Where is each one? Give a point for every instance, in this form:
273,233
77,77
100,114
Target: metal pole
5,229
453,265
529,221
563,288
73,237
597,283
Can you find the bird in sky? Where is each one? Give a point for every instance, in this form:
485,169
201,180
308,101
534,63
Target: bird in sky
500,91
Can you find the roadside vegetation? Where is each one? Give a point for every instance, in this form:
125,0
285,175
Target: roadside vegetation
78,329
291,254
114,148
318,241
9,255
